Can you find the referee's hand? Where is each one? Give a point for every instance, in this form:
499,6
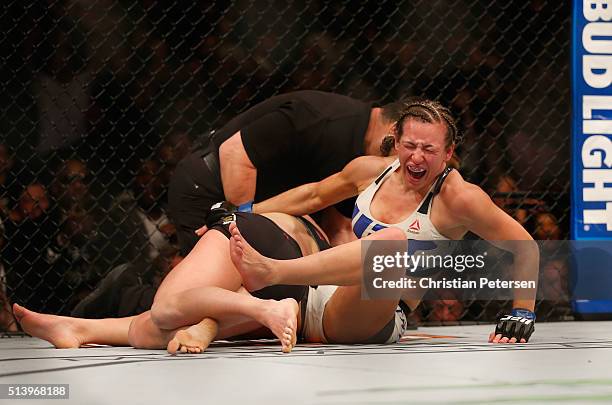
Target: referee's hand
201,231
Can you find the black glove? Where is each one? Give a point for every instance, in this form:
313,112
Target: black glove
519,327
221,212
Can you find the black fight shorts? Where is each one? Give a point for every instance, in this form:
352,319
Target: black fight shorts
270,240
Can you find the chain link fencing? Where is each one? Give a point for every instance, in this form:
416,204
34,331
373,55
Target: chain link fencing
100,99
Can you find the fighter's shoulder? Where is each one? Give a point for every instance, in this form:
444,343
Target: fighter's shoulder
459,194
364,169
368,165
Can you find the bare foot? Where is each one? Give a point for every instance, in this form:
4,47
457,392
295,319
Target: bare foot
194,339
281,318
60,331
255,269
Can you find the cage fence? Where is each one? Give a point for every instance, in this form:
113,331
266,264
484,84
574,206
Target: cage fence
101,99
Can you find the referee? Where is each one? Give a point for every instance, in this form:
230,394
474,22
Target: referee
283,142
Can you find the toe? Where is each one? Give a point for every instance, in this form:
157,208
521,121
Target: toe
173,346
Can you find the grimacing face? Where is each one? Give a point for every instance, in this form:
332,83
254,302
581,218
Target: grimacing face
422,152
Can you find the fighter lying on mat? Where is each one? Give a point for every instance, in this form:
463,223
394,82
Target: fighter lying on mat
425,140
416,197
202,298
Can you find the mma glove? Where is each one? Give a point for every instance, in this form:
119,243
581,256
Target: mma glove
520,324
223,212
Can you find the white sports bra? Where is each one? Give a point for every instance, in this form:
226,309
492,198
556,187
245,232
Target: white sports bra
417,226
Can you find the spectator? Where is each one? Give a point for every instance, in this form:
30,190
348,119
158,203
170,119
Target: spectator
547,227
553,285
174,147
76,246
129,288
446,308
136,227
508,197
149,191
77,243
504,186
553,267
33,204
70,188
28,254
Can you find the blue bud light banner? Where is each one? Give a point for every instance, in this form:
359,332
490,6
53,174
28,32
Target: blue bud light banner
591,138
592,120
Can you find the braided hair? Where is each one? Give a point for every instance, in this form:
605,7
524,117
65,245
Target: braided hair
428,111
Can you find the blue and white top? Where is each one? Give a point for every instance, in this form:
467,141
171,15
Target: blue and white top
417,226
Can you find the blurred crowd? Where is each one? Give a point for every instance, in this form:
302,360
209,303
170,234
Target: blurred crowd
57,241
102,99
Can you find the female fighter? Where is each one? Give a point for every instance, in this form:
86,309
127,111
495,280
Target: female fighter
412,197
201,298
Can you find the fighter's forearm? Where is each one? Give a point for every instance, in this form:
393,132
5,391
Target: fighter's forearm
298,201
526,268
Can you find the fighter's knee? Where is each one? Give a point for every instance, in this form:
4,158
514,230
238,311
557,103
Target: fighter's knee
135,335
164,313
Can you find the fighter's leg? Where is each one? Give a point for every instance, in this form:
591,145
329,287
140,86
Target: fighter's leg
66,332
340,265
144,334
208,264
349,319
229,309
